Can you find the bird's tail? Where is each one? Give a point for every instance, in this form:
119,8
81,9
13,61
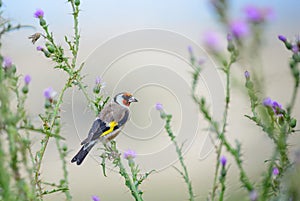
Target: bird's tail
82,153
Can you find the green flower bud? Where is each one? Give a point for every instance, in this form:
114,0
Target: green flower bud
249,84
65,148
230,47
57,122
223,172
296,57
292,63
47,54
25,89
293,123
288,45
43,22
281,120
96,90
47,104
50,48
77,2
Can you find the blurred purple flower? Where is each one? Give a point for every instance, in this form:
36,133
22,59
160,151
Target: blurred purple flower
282,38
7,62
39,13
276,105
190,49
295,49
275,171
277,108
239,28
253,13
129,154
98,80
95,198
253,195
247,74
49,93
27,79
212,40
223,160
267,102
159,106
39,48
256,14
229,37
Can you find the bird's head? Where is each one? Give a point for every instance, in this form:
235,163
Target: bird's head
124,99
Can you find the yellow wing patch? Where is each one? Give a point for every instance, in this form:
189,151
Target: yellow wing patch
112,125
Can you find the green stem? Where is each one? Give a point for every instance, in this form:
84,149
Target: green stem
57,49
5,193
225,117
82,88
215,185
128,181
222,181
76,33
62,155
265,195
293,99
180,155
41,152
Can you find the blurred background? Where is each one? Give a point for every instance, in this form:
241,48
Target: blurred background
141,46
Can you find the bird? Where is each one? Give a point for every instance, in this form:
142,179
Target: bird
107,125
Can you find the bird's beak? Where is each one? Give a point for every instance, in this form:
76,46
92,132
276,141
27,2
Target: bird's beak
132,99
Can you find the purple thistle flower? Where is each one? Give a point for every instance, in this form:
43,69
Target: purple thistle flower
39,13
223,160
159,106
27,79
95,198
276,105
7,62
256,14
282,38
129,154
98,80
190,49
253,195
247,74
275,171
277,108
253,13
239,28
229,37
49,93
39,48
295,49
212,40
267,102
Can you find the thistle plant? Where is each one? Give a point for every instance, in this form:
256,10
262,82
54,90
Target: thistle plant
219,128
21,167
184,171
276,121
17,125
134,179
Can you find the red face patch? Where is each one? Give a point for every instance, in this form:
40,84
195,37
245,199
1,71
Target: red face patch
125,102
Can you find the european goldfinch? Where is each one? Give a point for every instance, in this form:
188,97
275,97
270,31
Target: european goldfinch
107,125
